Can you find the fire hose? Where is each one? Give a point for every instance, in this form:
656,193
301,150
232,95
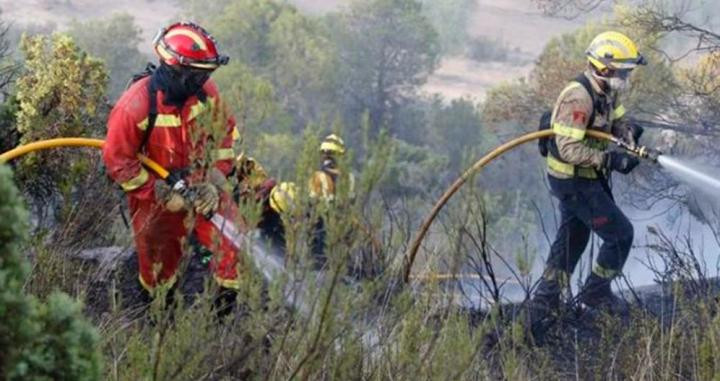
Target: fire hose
226,227
409,259
229,230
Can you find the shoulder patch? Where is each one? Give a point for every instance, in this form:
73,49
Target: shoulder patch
579,117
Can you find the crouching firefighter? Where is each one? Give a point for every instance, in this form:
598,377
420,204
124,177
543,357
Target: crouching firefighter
579,168
159,115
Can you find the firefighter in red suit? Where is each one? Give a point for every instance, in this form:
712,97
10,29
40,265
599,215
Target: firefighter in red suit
172,116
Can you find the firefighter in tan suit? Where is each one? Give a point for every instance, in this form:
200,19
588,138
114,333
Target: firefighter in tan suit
578,171
323,188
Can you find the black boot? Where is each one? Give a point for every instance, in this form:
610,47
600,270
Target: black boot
597,294
548,292
545,303
547,295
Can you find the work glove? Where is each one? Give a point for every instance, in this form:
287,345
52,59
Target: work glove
636,131
619,161
172,200
206,198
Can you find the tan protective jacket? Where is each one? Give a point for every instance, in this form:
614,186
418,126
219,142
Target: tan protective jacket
322,185
580,155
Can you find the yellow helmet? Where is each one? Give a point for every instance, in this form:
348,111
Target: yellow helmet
332,144
282,197
615,51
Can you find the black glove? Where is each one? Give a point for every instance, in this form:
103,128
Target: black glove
636,131
176,175
619,161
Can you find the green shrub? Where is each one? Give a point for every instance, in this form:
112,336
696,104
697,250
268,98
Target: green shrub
39,340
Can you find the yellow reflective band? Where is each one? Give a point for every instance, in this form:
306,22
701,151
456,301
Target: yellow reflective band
235,134
164,53
227,283
168,120
569,169
162,120
170,282
145,285
196,110
223,154
604,272
136,182
194,36
558,166
570,132
618,112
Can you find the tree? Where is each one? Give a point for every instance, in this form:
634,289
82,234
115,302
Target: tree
456,130
60,94
386,49
38,340
277,44
115,41
451,19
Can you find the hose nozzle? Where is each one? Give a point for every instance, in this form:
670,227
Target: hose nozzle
647,153
639,151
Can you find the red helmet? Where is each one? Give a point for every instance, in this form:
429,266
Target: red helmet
188,44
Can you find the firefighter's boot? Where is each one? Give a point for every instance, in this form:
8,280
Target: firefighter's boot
597,294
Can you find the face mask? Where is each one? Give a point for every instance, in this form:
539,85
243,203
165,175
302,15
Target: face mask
180,84
193,80
618,84
618,81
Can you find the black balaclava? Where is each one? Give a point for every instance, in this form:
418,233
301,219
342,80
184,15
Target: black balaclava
179,84
329,165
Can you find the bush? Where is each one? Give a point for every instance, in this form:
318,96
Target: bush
47,340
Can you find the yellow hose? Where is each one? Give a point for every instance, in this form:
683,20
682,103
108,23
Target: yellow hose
73,142
414,247
480,164
437,277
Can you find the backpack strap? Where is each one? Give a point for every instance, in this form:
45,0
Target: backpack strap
585,82
152,114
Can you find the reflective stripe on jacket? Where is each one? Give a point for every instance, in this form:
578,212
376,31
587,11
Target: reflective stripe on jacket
175,142
581,155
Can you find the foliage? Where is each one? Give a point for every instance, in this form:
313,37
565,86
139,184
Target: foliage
60,94
277,44
451,19
562,59
386,48
457,129
484,49
61,91
115,41
39,340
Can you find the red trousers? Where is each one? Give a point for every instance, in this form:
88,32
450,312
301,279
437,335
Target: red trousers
159,242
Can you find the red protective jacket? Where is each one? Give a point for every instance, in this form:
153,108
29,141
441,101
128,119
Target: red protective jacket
174,143
178,141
